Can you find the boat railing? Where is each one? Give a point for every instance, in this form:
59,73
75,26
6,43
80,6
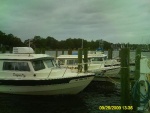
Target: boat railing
100,66
65,71
50,72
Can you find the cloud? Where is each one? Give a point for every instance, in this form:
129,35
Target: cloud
114,21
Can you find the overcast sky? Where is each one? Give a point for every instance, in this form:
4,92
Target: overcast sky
111,20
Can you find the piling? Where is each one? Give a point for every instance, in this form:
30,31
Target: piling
70,52
56,53
119,53
62,52
85,60
43,51
110,53
125,83
136,78
79,60
137,63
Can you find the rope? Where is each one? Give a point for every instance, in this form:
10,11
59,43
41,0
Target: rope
136,91
113,80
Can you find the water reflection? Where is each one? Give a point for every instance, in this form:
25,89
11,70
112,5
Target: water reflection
41,104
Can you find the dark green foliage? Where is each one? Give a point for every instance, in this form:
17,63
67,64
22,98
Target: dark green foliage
9,41
3,50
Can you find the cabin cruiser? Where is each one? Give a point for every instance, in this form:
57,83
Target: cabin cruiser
71,61
97,63
24,72
109,67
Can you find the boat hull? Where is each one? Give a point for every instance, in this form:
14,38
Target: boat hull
45,87
109,72
112,72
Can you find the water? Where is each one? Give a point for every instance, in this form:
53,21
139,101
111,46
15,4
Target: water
88,101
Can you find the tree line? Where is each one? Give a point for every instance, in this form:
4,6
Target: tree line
8,41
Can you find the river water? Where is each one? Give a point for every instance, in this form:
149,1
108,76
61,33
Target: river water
88,101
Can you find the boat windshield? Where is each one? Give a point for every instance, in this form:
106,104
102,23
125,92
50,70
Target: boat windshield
97,59
72,62
38,65
49,63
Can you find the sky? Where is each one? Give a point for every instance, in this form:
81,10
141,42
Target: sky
116,21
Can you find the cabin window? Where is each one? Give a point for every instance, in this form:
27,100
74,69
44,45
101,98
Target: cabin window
38,65
16,66
61,61
97,59
105,58
72,62
49,63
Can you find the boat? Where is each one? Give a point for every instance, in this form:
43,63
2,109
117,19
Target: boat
24,72
97,63
110,66
71,62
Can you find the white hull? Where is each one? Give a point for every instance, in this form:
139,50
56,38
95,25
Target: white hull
112,72
73,87
109,72
24,72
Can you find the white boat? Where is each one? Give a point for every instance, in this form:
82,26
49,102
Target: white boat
24,72
110,67
71,61
97,63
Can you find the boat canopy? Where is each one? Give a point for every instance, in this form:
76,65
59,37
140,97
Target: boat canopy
24,53
23,50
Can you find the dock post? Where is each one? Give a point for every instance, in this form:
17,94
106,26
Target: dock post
119,53
137,63
43,50
62,52
110,53
79,60
70,52
136,77
56,53
85,60
125,83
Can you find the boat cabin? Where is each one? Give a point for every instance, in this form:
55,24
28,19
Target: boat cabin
69,60
23,61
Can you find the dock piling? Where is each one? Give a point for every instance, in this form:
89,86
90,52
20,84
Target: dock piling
70,52
125,83
62,52
110,52
85,60
56,53
79,60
